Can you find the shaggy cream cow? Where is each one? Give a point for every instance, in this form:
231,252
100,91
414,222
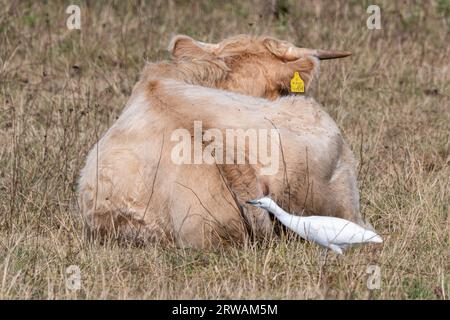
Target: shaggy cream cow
132,186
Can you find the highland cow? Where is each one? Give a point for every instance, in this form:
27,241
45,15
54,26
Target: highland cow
132,187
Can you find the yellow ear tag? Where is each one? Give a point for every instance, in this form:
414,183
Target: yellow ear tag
297,84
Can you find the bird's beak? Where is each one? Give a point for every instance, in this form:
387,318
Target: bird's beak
252,202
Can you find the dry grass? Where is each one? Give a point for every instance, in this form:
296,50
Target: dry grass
60,90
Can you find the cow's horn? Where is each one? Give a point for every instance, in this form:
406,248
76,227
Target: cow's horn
331,54
295,53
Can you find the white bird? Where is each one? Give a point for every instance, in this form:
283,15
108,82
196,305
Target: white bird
334,233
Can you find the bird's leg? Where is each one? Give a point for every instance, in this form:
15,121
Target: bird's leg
322,262
323,257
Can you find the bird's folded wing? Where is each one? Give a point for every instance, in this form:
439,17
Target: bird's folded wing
345,233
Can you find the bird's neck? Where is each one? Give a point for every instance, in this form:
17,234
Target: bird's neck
293,222
278,211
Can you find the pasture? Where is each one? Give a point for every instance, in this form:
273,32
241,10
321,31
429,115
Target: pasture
60,90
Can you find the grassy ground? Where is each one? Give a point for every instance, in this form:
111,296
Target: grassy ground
61,89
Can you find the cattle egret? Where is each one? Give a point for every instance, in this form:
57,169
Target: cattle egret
334,233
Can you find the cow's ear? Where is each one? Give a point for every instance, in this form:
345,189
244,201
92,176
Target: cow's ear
275,47
283,50
308,68
183,46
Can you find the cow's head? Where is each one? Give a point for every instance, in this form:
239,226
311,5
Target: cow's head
257,66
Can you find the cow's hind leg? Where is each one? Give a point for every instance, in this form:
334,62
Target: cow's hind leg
104,220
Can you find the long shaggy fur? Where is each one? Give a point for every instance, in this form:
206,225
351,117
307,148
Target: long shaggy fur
131,187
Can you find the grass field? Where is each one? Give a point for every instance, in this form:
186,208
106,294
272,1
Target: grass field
61,89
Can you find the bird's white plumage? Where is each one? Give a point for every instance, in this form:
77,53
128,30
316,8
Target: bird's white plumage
334,233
